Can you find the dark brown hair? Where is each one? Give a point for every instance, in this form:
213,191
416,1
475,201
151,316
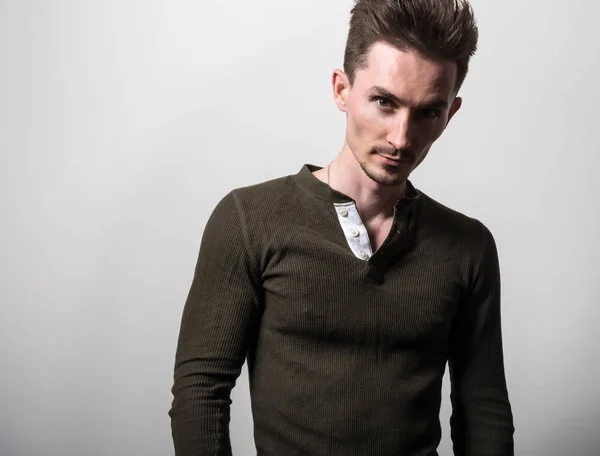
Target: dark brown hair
438,29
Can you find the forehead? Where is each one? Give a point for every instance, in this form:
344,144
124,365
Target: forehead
407,73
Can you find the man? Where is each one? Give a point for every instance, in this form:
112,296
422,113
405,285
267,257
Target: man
347,288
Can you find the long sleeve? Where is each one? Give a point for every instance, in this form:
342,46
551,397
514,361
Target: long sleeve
219,322
481,421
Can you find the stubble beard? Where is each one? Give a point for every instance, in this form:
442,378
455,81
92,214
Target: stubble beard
390,179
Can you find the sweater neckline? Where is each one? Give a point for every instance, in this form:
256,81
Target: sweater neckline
306,179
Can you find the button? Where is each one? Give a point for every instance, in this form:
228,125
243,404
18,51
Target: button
343,211
364,255
354,232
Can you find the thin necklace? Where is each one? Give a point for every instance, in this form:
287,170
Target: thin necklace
328,172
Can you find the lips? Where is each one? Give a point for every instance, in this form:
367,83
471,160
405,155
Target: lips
393,161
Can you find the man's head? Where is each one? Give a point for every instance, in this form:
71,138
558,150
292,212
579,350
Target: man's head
404,63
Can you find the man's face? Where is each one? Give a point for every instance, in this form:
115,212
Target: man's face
396,109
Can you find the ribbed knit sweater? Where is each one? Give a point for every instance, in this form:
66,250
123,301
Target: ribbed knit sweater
345,355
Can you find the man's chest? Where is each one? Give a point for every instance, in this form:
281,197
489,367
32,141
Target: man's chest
317,287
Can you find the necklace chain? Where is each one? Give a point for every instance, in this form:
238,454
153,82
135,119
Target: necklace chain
328,172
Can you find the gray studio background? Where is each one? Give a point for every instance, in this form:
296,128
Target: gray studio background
122,123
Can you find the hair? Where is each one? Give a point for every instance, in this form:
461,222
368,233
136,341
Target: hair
438,29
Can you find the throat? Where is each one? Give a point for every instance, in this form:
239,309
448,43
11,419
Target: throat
378,231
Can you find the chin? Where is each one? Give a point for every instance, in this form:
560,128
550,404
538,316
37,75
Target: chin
392,181
387,176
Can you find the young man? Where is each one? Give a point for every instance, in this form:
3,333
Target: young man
348,289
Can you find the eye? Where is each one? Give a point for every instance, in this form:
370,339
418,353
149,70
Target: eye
384,102
431,113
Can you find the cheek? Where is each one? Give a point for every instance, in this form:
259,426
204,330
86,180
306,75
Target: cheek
427,134
365,123
436,132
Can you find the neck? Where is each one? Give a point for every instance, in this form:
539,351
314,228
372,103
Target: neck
373,200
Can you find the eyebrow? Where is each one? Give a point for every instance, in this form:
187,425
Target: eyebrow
381,91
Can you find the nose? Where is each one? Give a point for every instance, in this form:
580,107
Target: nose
399,135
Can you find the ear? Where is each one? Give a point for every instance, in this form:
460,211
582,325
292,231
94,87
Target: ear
456,104
341,86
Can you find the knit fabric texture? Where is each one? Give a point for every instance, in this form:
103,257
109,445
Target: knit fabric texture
345,356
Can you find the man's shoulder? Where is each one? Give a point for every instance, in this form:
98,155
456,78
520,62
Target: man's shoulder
266,192
276,183
449,220
454,233
435,208
275,196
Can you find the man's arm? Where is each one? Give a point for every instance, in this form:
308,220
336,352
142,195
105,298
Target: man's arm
220,318
481,422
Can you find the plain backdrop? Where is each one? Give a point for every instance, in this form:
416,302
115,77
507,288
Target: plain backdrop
123,122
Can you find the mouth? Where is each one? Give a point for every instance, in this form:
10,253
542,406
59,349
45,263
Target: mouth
393,161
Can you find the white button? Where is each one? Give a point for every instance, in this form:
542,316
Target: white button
343,211
354,232
364,255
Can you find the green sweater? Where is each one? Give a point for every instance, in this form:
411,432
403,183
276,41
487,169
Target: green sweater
345,355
